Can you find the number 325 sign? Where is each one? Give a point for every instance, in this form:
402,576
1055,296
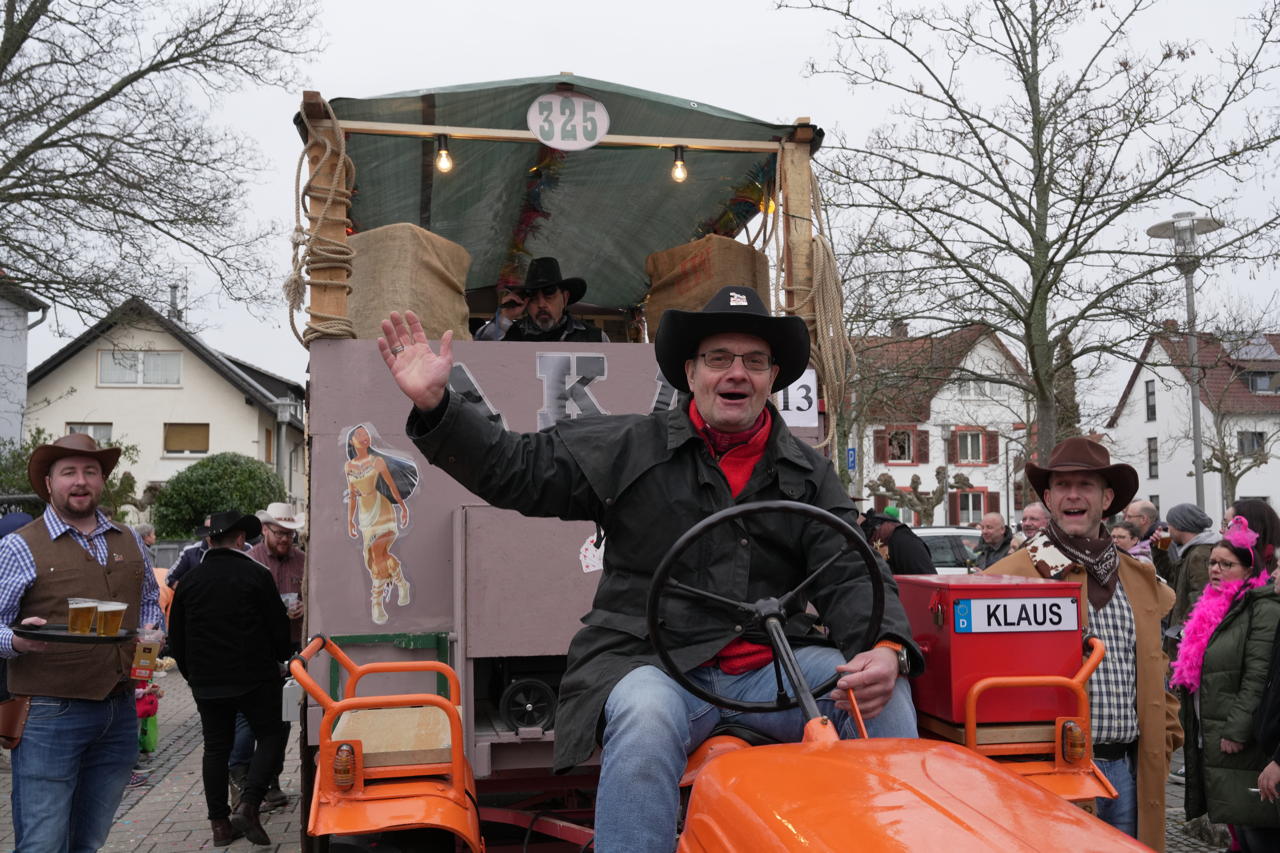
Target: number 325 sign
568,121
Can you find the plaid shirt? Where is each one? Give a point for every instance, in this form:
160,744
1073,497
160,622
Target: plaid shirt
1113,689
18,572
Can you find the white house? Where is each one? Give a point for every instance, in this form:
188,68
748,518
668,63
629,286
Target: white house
15,306
937,402
1239,412
138,377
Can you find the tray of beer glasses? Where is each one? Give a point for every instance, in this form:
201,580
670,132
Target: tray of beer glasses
88,621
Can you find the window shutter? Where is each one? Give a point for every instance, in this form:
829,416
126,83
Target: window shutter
1019,497
953,447
993,501
953,508
880,502
991,447
880,446
922,446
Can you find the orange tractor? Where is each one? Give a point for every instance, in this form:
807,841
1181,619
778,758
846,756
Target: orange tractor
823,794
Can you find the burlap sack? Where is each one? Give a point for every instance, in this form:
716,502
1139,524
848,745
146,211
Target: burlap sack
685,277
404,267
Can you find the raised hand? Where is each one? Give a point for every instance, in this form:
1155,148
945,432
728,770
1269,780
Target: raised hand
419,372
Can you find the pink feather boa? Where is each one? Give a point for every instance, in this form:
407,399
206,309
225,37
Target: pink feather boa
1205,617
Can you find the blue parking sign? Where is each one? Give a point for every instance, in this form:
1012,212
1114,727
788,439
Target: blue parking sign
852,458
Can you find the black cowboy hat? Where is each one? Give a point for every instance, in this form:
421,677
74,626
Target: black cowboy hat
230,520
76,444
734,309
1082,455
544,274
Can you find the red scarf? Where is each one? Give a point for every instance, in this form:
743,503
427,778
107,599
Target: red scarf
737,454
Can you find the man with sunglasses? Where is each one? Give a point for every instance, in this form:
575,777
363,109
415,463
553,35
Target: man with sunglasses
645,480
546,314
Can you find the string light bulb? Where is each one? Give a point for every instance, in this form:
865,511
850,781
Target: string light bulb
678,170
444,163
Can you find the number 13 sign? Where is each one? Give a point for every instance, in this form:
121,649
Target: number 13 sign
798,402
567,121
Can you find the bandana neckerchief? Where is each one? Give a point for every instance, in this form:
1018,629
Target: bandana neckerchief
1059,551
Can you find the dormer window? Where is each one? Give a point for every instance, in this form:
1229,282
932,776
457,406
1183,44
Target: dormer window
1261,383
139,367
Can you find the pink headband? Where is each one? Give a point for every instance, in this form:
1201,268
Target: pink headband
1239,534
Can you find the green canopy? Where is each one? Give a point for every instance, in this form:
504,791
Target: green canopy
601,212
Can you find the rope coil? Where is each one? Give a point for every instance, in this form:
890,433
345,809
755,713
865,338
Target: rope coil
312,251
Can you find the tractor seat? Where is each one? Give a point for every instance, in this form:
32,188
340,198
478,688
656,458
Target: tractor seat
725,737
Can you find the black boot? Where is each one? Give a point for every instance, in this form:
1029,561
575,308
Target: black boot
223,832
244,817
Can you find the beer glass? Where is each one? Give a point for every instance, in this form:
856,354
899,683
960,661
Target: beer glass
80,612
110,616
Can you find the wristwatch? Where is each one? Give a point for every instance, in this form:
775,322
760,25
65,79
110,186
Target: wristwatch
904,659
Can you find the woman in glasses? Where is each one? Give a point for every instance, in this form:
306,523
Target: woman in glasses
1222,668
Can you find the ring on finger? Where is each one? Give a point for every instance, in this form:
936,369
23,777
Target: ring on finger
397,349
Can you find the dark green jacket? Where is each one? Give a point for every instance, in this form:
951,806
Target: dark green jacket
1236,666
646,479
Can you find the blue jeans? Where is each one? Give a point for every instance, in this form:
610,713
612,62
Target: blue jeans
652,724
70,770
1122,812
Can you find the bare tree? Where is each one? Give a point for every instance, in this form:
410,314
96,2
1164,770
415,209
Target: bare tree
112,180
1031,145
920,502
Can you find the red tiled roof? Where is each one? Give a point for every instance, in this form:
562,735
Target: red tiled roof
903,375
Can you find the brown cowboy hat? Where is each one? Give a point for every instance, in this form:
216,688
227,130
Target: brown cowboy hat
1079,455
738,309
76,444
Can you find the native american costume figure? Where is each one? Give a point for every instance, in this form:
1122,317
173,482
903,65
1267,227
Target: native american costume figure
378,481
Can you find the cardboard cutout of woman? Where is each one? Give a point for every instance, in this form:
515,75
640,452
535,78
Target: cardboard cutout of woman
378,481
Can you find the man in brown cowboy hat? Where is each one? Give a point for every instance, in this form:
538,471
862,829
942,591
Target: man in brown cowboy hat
1134,719
645,479
81,737
546,314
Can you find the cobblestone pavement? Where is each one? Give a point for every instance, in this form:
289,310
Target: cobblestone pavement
167,815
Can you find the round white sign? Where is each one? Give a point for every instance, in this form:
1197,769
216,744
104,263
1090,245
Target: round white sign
568,121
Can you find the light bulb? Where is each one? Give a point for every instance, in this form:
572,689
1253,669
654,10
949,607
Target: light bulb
443,161
678,170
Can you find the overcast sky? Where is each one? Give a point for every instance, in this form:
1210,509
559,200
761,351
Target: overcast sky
742,55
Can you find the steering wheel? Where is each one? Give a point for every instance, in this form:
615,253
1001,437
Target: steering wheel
771,612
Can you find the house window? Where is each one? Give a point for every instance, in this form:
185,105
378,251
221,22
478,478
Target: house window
1155,502
969,447
970,506
100,433
1151,399
973,388
139,367
1266,499
1260,383
1251,443
186,438
1153,458
900,446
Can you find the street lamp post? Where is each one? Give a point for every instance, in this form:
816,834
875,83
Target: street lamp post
1183,229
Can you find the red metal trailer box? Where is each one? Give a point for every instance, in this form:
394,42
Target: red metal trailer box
975,626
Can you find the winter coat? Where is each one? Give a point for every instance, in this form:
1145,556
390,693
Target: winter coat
1236,666
1159,733
645,480
988,555
229,627
1187,575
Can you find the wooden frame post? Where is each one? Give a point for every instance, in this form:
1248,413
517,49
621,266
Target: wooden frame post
328,284
797,208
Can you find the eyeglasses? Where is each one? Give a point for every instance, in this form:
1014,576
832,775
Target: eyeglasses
722,359
1219,564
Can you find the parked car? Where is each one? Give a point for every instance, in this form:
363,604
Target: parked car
952,548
